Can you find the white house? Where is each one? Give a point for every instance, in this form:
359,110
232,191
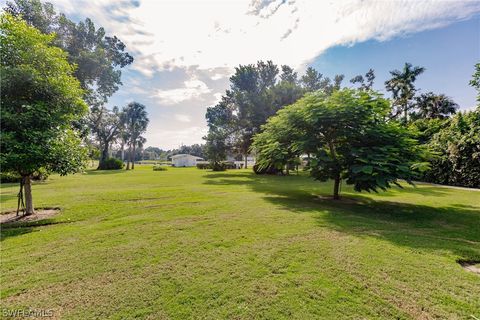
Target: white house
185,160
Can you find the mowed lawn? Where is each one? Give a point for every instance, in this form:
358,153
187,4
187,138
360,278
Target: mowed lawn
193,244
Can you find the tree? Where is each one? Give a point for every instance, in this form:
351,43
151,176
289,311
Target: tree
40,100
135,121
311,80
98,57
348,137
433,106
106,126
403,90
457,150
216,150
475,82
366,83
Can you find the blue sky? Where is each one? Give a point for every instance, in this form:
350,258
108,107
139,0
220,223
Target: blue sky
186,50
447,53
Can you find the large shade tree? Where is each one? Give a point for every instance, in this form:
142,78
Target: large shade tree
348,137
99,58
40,99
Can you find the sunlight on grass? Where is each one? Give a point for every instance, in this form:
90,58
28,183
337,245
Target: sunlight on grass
185,242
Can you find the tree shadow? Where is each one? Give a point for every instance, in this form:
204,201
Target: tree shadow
104,172
17,228
454,227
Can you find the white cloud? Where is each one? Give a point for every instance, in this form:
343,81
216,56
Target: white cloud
210,34
182,118
193,88
210,38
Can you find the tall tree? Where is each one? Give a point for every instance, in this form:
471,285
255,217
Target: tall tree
311,80
135,121
40,99
403,89
433,106
98,57
348,137
366,83
475,82
106,126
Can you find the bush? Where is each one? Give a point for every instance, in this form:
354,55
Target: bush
203,166
10,177
219,166
111,164
158,167
266,170
229,165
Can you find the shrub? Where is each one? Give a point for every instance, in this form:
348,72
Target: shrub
111,164
229,165
158,167
266,170
203,166
10,177
218,166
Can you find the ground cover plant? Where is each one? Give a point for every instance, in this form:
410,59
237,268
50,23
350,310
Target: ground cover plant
189,243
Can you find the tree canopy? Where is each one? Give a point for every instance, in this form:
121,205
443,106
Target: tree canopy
40,99
347,136
98,57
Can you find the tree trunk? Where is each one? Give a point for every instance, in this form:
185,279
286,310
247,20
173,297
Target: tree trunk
104,156
287,169
129,157
246,160
336,187
133,157
28,196
123,152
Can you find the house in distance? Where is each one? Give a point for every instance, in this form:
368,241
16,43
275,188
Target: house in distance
185,160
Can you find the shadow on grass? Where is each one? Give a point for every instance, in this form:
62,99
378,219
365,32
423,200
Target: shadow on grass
453,227
12,229
95,172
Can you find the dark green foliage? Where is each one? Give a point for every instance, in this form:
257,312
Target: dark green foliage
457,147
203,166
258,169
133,122
40,100
98,57
433,106
475,82
159,167
111,164
348,137
403,90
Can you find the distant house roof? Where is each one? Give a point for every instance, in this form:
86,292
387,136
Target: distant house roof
181,155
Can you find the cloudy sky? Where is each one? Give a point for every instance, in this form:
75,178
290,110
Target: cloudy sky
185,51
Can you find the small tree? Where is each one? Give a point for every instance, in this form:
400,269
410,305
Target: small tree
216,150
348,137
40,100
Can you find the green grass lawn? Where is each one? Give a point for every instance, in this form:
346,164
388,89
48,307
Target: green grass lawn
186,243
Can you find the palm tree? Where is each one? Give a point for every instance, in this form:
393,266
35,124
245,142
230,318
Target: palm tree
402,88
135,120
432,106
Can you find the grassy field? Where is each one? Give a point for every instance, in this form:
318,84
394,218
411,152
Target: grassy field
186,243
